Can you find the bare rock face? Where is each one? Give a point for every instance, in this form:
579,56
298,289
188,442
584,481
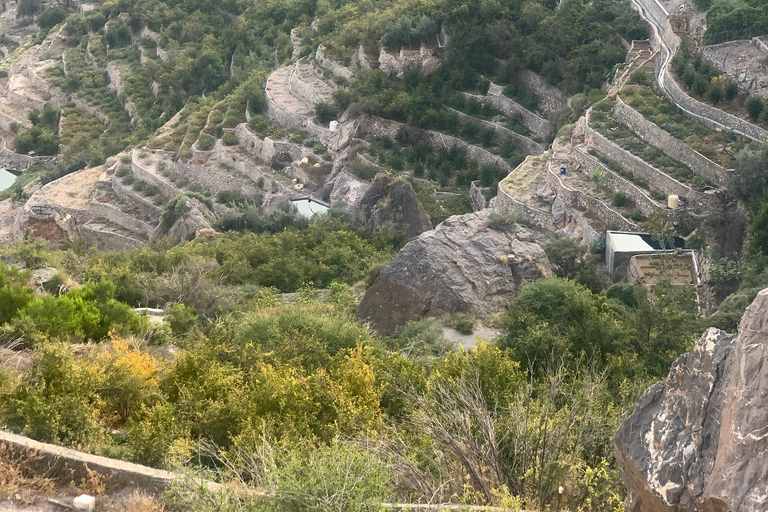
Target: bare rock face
462,265
392,203
189,223
699,440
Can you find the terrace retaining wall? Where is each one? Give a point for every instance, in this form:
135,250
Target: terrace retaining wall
669,145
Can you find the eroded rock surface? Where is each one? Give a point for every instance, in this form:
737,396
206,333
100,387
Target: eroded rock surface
699,440
462,265
393,204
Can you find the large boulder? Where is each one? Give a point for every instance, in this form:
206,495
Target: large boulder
462,265
392,203
699,440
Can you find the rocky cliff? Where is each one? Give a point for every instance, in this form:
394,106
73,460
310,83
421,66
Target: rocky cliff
462,265
699,440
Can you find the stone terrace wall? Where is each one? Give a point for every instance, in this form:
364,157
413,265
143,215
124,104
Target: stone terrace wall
672,147
707,114
98,114
640,168
14,161
542,219
590,206
302,89
113,214
108,239
501,133
280,115
615,182
539,127
212,180
550,98
330,64
379,127
141,173
131,195
654,177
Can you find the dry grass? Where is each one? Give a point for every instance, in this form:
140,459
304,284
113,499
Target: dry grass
23,482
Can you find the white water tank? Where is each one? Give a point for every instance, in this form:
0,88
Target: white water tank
673,201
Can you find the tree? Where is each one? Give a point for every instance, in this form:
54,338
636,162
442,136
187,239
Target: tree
754,106
660,228
750,171
566,254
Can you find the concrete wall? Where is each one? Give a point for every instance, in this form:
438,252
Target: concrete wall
672,147
540,127
501,133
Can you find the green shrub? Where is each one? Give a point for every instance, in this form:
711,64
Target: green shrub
229,139
464,323
501,220
754,106
619,198
205,142
51,17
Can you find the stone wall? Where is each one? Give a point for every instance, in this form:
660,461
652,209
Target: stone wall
550,98
591,207
281,115
330,64
118,472
539,127
108,239
477,193
542,219
707,114
17,162
638,167
211,179
302,89
98,114
378,127
115,79
501,133
629,162
131,195
615,182
141,173
672,147
114,215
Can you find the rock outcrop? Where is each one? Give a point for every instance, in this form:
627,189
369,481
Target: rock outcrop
462,265
392,203
699,440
